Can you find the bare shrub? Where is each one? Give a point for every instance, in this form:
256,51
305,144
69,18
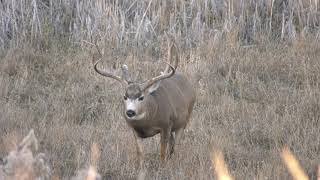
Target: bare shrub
87,174
91,172
22,164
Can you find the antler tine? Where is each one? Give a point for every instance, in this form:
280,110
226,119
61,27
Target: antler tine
160,77
172,51
102,72
166,73
125,72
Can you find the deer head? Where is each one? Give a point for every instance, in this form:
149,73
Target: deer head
138,96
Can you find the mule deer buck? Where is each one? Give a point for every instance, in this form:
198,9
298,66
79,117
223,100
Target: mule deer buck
162,104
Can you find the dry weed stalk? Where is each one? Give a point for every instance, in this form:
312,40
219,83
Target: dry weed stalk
91,172
220,167
22,164
293,165
87,174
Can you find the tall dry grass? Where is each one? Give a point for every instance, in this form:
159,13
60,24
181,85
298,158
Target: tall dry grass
289,159
259,91
141,24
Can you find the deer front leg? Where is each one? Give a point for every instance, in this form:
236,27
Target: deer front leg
139,146
140,153
164,140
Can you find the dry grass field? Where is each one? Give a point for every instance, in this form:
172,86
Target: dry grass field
259,91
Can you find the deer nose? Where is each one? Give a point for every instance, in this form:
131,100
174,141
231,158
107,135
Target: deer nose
130,113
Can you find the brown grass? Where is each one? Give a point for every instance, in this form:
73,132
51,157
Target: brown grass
251,101
259,88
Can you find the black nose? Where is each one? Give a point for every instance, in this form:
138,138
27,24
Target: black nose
130,113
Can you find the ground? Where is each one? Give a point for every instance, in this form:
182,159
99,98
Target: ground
251,102
258,92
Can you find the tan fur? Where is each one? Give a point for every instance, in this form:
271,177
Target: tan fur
161,105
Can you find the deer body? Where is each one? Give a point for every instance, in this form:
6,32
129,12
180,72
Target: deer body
168,107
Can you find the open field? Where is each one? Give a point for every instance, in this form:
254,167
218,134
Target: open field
259,64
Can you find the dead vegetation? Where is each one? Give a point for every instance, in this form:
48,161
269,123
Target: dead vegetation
259,88
22,163
295,169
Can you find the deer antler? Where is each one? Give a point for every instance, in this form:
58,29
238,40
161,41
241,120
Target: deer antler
108,74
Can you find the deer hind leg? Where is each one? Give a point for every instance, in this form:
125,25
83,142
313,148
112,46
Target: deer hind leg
177,137
171,144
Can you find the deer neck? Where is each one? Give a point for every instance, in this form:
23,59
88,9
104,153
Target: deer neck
152,110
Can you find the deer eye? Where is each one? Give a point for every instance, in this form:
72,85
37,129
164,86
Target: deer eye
141,98
125,97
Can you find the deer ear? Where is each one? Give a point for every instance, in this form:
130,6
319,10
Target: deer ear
154,87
